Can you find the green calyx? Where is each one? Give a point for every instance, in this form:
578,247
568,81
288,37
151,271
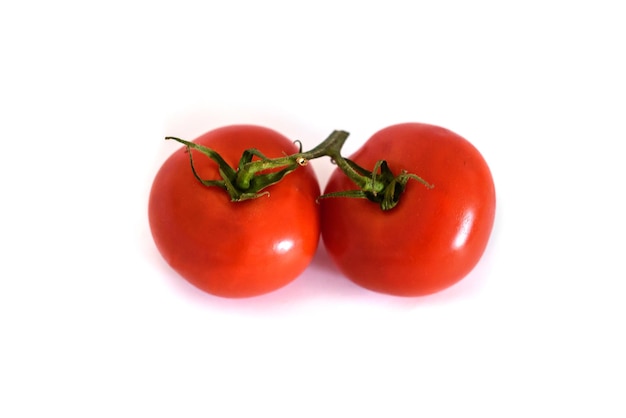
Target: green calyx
252,176
244,182
380,185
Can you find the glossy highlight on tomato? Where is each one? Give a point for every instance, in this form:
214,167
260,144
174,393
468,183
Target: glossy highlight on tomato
434,236
234,249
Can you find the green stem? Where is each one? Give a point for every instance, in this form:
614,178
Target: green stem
251,177
331,147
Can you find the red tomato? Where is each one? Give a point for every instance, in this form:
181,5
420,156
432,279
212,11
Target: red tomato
234,249
433,237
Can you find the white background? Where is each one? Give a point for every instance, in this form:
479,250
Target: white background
92,321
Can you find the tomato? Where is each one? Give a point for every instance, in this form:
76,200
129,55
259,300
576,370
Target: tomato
434,236
234,249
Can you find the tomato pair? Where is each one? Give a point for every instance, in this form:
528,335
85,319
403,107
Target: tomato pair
429,241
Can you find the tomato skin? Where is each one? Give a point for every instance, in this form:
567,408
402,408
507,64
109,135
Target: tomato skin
234,249
433,237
